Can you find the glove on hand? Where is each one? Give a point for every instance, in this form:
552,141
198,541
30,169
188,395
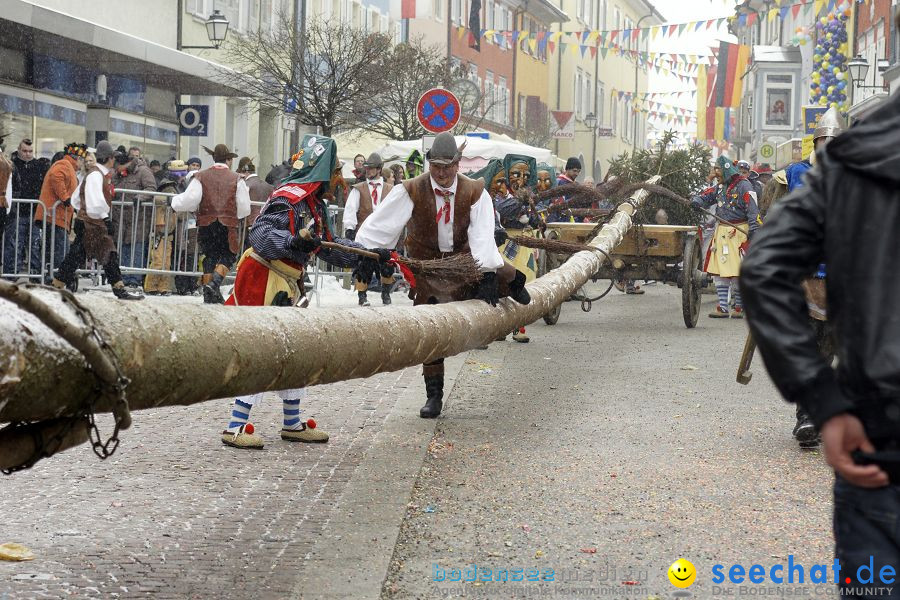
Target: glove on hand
110,227
500,237
487,289
305,242
350,234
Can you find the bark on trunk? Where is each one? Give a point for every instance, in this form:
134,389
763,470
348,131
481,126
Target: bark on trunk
178,354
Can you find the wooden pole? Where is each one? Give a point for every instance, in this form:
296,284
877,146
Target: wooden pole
181,354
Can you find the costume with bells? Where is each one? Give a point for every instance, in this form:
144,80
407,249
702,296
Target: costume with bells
220,199
94,229
270,272
735,203
364,199
441,222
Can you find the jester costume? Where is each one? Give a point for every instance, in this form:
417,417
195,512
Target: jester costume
270,272
735,203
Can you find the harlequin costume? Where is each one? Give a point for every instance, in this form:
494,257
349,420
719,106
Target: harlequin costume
270,272
735,203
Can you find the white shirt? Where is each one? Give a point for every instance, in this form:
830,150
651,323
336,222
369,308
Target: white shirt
9,191
94,202
352,205
189,199
383,228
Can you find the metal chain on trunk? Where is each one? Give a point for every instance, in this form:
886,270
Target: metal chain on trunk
100,356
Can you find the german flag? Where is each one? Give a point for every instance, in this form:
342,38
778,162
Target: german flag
733,62
706,102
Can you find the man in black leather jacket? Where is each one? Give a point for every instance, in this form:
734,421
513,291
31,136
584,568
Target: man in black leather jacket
847,216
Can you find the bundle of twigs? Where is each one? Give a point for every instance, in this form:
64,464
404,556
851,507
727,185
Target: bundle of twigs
458,267
555,246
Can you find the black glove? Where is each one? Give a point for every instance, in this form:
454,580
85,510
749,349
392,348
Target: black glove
366,269
110,227
500,237
306,244
487,289
384,254
350,234
2,217
386,269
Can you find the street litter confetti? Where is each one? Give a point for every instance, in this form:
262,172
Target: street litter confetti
429,509
526,528
14,551
538,554
688,368
589,550
631,583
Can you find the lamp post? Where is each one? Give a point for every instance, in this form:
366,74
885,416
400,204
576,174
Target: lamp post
216,29
590,120
636,63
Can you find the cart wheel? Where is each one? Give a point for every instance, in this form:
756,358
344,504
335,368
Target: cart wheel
543,268
690,282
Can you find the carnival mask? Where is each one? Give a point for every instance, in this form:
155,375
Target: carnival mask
544,181
498,185
519,174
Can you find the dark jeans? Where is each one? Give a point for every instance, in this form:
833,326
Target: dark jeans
867,526
213,242
133,256
76,257
17,236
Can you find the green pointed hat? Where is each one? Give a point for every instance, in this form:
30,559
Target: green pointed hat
315,161
487,172
729,168
511,159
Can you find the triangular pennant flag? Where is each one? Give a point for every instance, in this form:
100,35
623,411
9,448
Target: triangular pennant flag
603,51
532,43
551,47
583,50
751,19
612,35
681,28
557,35
461,32
709,23
593,51
795,9
819,5
515,36
645,31
563,46
672,29
634,34
654,31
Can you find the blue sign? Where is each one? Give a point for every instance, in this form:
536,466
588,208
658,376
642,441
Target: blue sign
811,116
479,134
193,119
438,110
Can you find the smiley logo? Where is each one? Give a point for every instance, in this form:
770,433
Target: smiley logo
682,573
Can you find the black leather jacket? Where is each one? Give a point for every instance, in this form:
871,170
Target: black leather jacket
848,217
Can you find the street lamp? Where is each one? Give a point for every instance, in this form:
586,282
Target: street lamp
216,29
590,120
859,68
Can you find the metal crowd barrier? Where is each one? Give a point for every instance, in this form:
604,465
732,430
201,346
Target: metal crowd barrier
156,245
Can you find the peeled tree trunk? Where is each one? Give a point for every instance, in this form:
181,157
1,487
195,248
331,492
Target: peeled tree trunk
180,354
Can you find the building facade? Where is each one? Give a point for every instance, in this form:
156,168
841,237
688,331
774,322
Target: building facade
583,83
876,44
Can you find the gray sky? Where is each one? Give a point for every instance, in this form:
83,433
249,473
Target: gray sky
680,11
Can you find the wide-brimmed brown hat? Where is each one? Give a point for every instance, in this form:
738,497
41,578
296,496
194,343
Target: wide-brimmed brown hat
245,165
444,150
221,153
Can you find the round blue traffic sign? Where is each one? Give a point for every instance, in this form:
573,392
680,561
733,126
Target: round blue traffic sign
438,110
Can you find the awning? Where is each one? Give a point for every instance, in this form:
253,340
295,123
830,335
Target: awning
108,50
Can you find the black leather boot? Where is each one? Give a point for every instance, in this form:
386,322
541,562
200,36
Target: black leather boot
805,432
434,389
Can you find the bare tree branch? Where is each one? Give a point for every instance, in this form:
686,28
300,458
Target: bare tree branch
330,74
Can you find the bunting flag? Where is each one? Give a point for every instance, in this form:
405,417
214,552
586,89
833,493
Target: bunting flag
475,25
733,62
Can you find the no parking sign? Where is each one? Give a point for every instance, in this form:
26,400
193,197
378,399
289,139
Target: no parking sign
438,110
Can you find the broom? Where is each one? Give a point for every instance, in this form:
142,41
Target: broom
458,267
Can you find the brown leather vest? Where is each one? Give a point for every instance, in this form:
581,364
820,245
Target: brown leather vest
365,200
109,192
219,202
422,238
5,173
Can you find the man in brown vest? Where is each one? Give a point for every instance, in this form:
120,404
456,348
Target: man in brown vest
94,229
220,199
364,198
445,214
259,190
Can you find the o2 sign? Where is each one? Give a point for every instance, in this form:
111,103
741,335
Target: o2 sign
193,119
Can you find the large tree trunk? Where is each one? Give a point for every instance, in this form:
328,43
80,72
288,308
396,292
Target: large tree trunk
179,354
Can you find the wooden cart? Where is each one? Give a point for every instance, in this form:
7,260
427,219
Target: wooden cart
665,253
